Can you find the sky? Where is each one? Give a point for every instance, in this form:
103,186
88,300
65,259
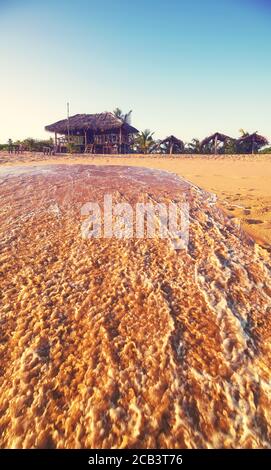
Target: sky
187,68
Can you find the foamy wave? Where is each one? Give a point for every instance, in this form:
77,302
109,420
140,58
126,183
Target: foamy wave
128,343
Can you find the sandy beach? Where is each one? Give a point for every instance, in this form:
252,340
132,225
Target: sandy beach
242,183
128,343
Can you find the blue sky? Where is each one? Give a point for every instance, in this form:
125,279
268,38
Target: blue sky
184,67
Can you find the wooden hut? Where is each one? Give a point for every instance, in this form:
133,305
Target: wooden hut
215,140
93,133
170,145
251,143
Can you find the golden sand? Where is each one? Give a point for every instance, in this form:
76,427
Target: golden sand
128,343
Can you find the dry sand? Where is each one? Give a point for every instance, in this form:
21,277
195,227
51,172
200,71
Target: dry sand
128,343
242,183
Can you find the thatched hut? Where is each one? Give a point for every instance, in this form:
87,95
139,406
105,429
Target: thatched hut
251,143
170,145
215,140
93,133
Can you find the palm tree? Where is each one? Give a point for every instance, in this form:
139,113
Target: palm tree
144,141
243,133
125,117
194,146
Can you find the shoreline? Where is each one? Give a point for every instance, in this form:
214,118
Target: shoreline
241,182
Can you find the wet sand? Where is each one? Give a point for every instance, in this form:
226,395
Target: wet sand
242,183
109,343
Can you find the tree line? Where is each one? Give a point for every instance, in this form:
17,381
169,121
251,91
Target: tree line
29,144
217,143
144,142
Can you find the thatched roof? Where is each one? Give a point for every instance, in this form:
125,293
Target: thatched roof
82,122
213,137
254,138
172,140
170,144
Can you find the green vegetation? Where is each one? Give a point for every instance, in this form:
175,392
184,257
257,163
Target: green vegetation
29,144
266,150
144,141
125,117
193,146
230,147
71,147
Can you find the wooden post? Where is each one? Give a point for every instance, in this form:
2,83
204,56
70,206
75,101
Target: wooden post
56,149
120,140
68,124
85,139
215,144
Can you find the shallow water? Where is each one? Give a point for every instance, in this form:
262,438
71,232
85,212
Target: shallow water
128,343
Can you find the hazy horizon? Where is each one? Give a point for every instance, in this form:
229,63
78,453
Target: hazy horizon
187,70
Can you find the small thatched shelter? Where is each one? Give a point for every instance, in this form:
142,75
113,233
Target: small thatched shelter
94,133
171,145
251,143
215,140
